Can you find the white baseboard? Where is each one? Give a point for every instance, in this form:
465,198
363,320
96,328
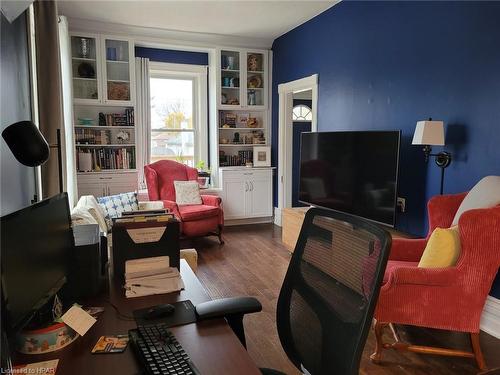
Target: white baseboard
277,216
490,320
255,220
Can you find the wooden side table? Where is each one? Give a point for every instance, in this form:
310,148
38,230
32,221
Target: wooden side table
293,218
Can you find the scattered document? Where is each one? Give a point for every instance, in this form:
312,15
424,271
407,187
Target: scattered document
149,276
78,319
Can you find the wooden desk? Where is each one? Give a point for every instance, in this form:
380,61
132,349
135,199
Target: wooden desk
212,345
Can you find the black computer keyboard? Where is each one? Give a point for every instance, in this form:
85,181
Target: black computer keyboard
160,352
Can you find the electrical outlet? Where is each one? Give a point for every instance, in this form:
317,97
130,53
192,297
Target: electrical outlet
401,204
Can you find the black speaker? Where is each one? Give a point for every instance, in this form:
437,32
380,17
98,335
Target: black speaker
27,143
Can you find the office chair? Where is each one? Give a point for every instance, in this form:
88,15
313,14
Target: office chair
326,304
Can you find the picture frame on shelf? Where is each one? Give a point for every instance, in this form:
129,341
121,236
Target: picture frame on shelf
242,120
262,156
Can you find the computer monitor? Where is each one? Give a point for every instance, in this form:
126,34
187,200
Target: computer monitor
36,245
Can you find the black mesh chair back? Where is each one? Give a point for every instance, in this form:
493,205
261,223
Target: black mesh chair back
328,297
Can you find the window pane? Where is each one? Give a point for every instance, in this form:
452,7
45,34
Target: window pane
171,103
178,146
172,108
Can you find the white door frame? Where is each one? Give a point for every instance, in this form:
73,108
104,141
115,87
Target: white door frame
285,136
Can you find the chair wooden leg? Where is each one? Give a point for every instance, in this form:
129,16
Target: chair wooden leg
219,234
378,328
476,348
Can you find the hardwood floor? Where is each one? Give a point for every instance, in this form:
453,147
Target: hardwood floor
253,262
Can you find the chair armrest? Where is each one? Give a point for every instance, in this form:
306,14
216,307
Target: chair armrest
151,205
171,205
408,250
211,200
422,276
224,307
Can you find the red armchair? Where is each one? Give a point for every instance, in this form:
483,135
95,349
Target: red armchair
450,298
196,220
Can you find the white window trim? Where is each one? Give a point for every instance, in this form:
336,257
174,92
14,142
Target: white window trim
197,73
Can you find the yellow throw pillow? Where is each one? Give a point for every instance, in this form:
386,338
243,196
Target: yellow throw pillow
442,250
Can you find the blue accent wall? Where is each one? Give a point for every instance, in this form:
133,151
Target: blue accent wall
172,56
386,65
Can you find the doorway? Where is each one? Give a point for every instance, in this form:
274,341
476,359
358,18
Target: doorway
288,148
301,122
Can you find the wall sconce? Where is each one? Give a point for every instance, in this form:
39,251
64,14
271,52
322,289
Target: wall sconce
431,133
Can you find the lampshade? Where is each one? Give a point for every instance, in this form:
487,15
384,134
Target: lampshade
429,133
26,143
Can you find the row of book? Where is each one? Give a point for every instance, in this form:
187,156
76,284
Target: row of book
117,119
121,158
242,158
92,136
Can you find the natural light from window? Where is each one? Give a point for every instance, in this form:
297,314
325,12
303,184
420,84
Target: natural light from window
172,131
301,112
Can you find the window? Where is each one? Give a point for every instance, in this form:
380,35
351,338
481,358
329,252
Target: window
301,112
178,114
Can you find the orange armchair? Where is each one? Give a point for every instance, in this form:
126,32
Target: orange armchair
196,220
450,298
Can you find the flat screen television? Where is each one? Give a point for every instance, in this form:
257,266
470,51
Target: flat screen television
355,172
36,247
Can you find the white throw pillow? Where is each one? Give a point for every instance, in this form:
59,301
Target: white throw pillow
89,203
485,194
187,192
81,216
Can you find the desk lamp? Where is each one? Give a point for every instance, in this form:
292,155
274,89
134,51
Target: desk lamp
431,133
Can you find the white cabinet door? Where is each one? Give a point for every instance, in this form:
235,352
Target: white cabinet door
120,187
234,198
260,196
118,71
96,189
86,68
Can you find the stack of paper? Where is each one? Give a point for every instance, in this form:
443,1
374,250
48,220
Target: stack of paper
148,276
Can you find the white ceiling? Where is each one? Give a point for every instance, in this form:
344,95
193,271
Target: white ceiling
251,19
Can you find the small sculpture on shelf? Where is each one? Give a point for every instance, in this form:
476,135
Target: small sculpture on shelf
252,122
236,138
122,136
253,62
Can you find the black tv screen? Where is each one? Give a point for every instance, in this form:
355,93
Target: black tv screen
37,242
355,172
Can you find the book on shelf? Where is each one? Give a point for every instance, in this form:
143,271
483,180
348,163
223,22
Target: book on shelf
116,158
117,119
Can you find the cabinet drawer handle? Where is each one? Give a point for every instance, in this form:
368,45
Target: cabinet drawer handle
246,186
251,186
105,178
248,174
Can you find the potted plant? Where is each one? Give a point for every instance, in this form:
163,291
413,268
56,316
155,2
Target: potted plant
203,174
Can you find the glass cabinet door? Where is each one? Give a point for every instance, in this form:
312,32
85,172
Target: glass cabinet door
255,79
117,70
230,78
84,61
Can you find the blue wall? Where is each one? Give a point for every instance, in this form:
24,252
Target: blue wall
172,56
385,65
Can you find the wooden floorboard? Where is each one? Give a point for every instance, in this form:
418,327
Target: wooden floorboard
253,262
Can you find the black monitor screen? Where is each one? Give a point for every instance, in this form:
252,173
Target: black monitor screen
353,171
36,245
